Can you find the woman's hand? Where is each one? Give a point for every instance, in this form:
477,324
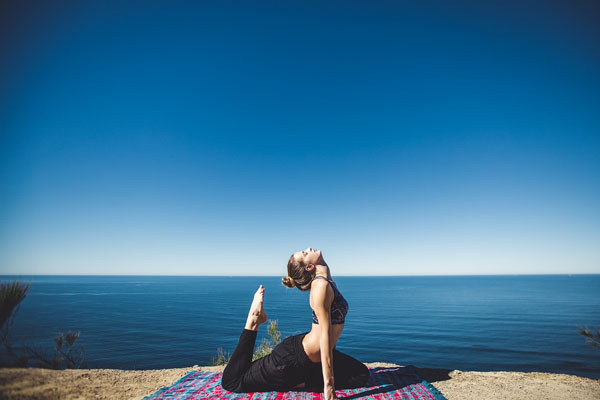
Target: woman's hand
329,393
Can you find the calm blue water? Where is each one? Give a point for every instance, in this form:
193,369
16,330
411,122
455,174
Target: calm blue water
485,323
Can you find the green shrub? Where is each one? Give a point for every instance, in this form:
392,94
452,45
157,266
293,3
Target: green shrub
221,358
266,347
64,355
592,339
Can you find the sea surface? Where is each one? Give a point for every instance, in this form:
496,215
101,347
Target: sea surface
481,323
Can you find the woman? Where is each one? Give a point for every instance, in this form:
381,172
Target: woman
306,361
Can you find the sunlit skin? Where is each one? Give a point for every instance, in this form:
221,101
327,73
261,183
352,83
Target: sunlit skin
320,291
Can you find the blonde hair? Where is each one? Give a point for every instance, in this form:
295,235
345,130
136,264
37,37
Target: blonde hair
297,275
288,282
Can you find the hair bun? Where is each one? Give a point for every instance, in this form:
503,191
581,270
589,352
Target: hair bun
288,282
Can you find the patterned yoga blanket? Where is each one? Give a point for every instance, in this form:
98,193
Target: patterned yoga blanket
384,383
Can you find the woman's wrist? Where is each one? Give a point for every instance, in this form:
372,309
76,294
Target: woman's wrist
329,392
329,388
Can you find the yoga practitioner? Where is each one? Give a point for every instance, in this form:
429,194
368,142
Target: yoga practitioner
308,361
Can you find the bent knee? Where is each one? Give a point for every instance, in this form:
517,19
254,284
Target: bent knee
364,370
230,386
362,376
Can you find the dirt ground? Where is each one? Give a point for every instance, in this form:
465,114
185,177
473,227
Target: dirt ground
37,383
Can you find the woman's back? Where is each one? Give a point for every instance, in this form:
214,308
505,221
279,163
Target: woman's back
311,341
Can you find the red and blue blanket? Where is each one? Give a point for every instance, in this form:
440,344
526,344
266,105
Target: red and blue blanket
384,383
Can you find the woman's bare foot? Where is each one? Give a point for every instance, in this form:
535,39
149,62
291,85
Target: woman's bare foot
257,315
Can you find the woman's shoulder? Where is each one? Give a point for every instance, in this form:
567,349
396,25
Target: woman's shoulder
322,287
324,281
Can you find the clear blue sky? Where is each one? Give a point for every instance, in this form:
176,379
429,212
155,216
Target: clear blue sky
218,137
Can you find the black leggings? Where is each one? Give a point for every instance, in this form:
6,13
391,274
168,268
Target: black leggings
285,367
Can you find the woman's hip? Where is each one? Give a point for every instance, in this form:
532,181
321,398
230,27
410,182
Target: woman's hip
289,348
290,359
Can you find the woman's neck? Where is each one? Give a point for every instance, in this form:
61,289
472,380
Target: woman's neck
323,270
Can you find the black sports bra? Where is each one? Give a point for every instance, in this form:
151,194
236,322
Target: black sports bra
339,305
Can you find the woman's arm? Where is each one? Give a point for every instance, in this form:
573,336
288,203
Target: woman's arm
323,311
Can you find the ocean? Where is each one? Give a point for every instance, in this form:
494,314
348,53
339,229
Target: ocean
480,323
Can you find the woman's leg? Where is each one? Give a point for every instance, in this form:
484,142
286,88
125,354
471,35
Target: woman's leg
280,370
241,359
348,373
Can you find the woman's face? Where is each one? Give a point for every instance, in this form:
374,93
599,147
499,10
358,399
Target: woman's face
308,256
